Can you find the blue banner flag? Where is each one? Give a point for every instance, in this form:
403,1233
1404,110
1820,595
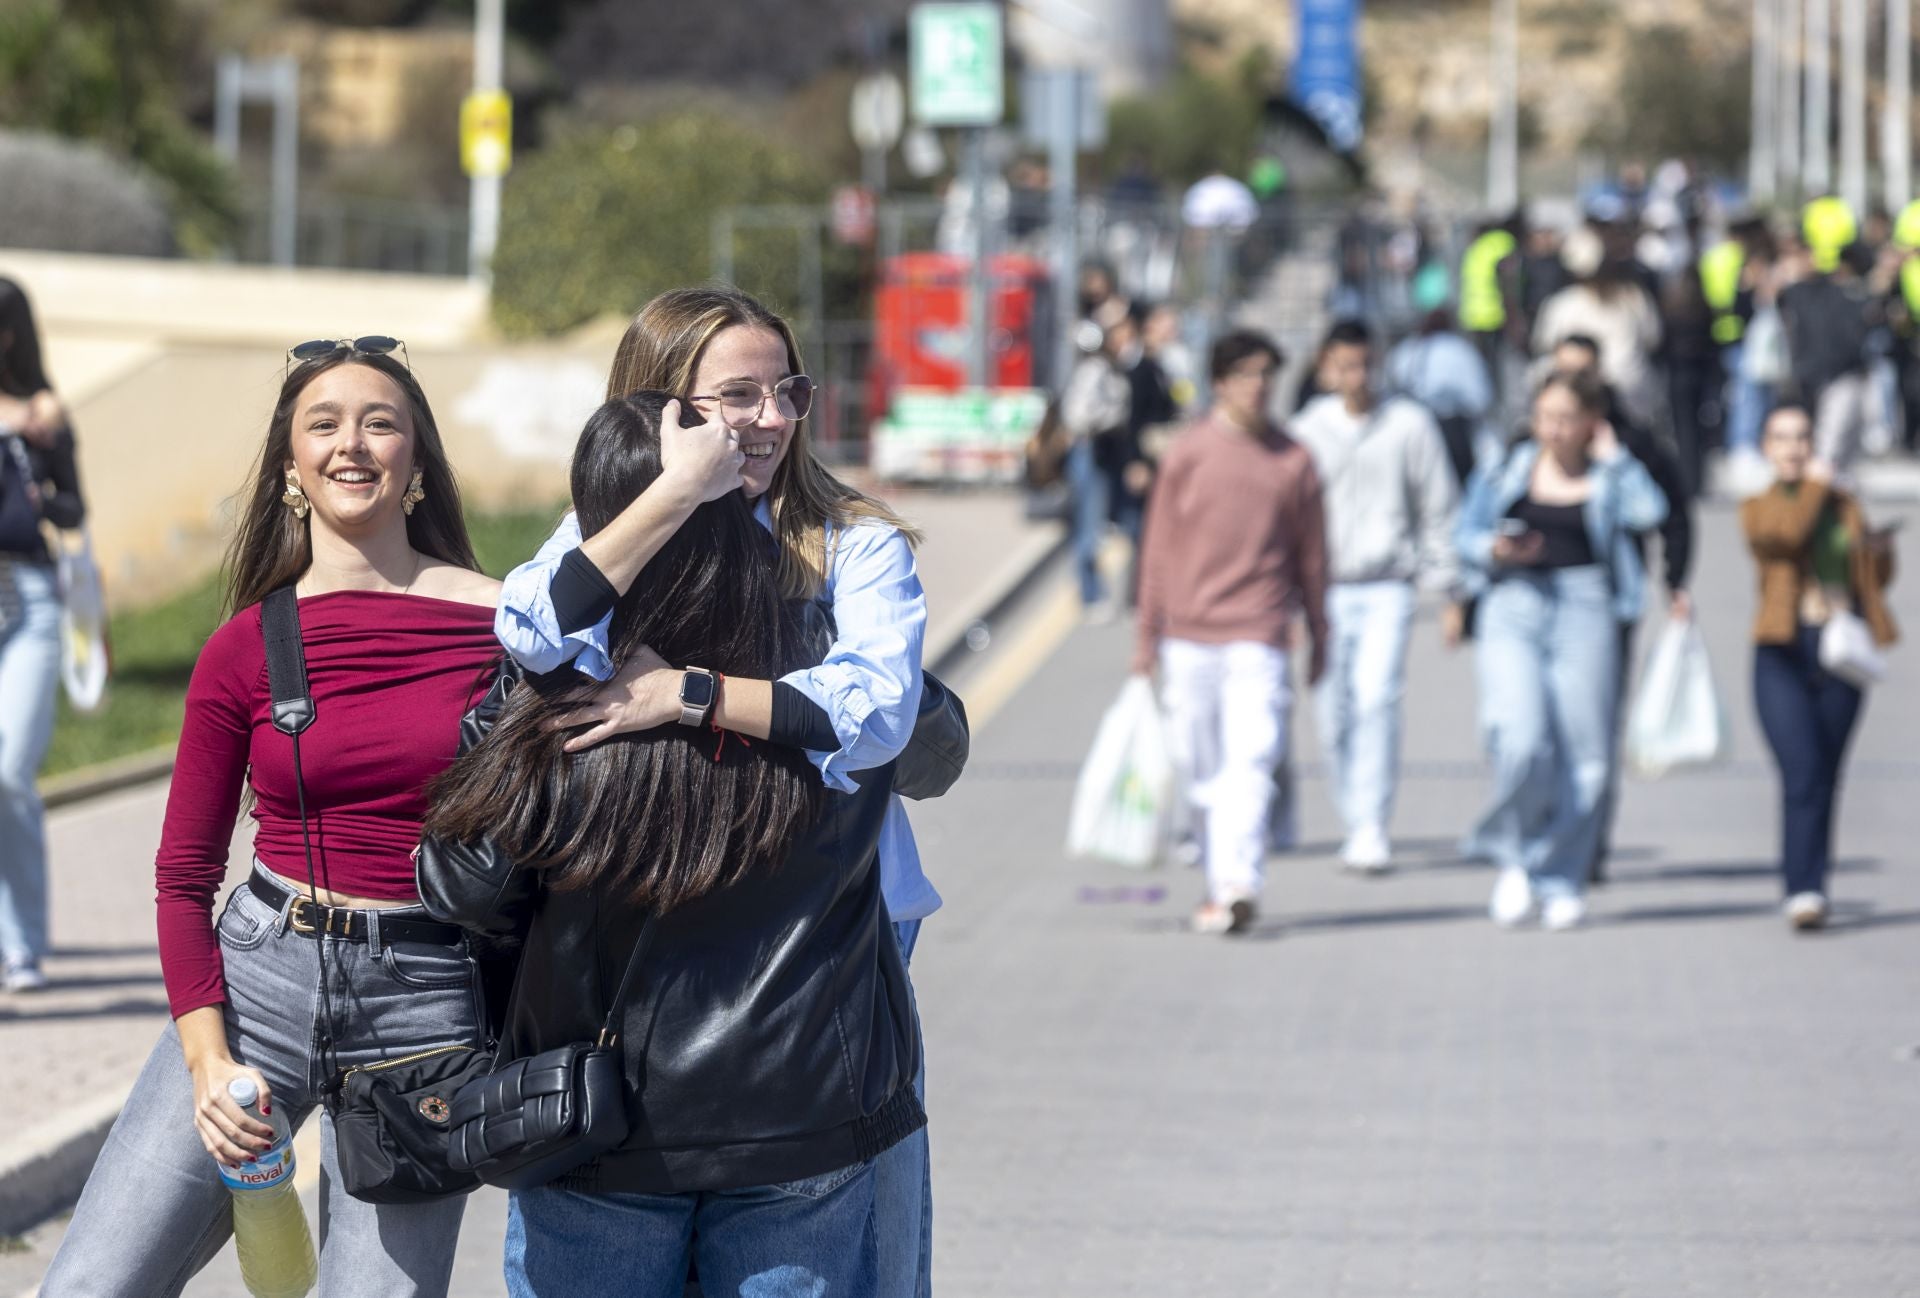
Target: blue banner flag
1326,71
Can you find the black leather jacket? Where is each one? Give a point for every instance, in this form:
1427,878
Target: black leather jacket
771,1034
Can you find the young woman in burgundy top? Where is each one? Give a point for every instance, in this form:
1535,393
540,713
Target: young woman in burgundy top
352,501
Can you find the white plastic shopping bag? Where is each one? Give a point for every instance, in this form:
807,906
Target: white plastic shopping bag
1676,718
1124,804
83,625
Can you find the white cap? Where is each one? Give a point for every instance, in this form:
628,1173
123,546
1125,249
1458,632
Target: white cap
243,1091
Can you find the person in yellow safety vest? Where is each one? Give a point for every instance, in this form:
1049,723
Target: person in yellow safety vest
1486,296
1720,268
1829,226
1906,355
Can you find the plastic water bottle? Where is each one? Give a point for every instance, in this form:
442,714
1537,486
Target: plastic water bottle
269,1225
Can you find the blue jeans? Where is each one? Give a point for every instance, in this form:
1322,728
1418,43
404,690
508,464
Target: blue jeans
155,1211
1090,490
1748,401
1360,697
1808,715
903,1182
804,1239
1548,643
29,672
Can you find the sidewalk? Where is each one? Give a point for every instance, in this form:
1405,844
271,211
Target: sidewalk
68,1055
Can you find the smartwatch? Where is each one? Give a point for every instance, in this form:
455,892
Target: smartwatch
699,691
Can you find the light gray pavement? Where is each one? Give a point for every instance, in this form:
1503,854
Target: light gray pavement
1376,1093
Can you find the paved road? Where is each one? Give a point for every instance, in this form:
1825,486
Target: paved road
1376,1093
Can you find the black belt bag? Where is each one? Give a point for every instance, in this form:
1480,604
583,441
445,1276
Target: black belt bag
392,1119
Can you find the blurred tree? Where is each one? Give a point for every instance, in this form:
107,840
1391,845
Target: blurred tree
363,13
603,218
1677,99
760,45
105,71
1199,123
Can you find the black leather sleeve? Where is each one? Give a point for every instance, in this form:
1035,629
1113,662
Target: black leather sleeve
475,885
937,753
582,595
799,722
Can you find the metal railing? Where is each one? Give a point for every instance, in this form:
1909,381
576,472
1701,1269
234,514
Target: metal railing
347,233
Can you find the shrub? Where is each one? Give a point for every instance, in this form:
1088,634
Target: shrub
603,218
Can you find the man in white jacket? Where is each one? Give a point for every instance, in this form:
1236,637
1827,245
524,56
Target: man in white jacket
1390,500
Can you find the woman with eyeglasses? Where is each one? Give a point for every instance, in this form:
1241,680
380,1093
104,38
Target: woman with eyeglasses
736,363
767,1041
39,485
353,504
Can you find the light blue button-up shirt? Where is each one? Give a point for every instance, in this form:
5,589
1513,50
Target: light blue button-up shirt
869,685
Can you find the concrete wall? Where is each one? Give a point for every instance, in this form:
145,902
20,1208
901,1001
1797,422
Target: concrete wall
171,369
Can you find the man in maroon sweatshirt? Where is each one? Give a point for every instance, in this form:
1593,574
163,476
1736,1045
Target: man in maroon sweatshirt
1235,544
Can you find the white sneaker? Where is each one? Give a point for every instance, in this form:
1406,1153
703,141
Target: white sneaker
1562,913
25,978
1512,898
1368,851
1806,910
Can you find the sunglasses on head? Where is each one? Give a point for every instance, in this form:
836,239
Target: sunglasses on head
370,345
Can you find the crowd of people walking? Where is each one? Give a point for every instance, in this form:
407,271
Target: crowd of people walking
1627,346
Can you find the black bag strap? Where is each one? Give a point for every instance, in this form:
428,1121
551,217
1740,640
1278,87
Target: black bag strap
292,711
609,1037
292,708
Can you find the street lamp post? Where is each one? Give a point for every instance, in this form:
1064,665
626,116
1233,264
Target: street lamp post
1817,155
483,222
1787,138
1503,137
1896,129
1761,162
1853,102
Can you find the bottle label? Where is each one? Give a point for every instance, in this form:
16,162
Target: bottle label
274,1169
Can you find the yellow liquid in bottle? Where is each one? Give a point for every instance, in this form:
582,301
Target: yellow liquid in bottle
276,1249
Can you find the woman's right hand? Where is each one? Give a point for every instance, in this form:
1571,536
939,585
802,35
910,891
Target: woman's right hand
1521,551
229,1133
704,460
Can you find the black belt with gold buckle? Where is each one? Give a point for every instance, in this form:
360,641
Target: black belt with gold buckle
311,919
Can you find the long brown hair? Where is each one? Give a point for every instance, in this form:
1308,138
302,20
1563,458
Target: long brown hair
663,816
661,350
271,547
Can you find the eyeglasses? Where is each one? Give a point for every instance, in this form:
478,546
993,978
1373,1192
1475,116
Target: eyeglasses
742,400
371,345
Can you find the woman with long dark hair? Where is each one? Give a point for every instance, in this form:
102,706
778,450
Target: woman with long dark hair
1546,540
354,505
39,485
737,364
1817,561
769,1043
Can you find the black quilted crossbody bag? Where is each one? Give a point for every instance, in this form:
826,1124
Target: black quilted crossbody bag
535,1119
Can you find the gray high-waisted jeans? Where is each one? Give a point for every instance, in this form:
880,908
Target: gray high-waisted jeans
154,1210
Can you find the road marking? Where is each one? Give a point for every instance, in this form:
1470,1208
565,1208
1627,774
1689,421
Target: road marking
1019,657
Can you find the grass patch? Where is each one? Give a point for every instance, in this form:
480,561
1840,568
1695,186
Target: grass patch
154,649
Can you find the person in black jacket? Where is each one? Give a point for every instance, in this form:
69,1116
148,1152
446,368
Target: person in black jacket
770,1047
1575,354
39,485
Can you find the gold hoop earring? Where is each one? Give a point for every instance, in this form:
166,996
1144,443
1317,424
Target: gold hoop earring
416,492
294,498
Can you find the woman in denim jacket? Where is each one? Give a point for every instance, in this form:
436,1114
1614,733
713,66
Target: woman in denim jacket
1546,541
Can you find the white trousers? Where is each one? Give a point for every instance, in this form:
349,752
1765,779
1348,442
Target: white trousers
1227,711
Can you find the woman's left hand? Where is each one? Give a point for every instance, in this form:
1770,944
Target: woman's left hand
643,695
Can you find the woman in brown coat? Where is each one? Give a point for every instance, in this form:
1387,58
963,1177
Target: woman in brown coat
1817,559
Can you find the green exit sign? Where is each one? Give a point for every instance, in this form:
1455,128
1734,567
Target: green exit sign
957,65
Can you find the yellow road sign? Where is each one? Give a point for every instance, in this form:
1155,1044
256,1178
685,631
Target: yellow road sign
486,133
